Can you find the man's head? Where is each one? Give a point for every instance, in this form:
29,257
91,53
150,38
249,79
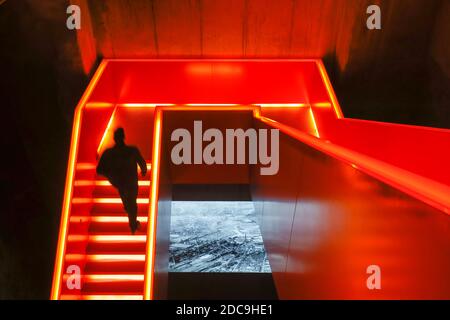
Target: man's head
119,136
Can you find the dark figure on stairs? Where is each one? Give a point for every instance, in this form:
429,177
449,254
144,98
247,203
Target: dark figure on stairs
119,165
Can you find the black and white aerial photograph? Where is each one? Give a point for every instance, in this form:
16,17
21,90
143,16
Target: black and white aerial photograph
216,236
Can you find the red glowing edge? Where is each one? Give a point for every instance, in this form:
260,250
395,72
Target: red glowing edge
426,190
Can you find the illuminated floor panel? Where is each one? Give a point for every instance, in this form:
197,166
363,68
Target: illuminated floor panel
216,236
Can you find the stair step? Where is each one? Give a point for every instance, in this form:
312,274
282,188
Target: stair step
104,183
105,200
103,188
108,238
103,224
106,244
102,296
107,248
100,277
112,212
112,283
80,166
106,192
86,166
105,219
115,266
119,287
84,207
91,174
118,208
99,239
105,257
98,263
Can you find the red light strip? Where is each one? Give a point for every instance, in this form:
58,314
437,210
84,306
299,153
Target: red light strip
321,105
210,107
109,277
207,105
111,119
85,166
104,183
92,166
211,60
106,200
108,238
143,105
282,105
314,124
101,297
105,257
329,87
153,208
93,105
105,219
62,237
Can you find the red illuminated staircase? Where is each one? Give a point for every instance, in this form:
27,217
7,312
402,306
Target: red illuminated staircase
110,258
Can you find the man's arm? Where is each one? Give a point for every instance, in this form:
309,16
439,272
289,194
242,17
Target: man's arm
101,166
141,162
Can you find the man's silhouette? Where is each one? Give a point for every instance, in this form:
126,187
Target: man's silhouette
119,165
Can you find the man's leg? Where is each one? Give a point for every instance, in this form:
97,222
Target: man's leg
128,195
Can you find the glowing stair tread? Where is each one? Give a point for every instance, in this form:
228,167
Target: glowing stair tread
105,257
103,183
118,283
112,260
104,225
107,238
104,219
93,166
87,200
109,277
102,296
